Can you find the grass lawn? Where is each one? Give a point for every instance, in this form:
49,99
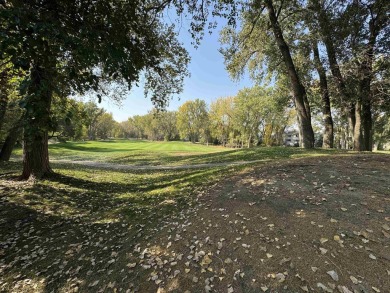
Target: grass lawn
138,152
275,226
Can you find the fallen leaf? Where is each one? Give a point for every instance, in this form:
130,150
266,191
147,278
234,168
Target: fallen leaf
323,240
228,261
323,287
304,288
354,280
280,277
323,250
334,275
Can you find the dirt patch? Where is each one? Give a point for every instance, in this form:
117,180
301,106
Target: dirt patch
308,225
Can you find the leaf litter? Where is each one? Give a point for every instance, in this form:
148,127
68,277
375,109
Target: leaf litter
237,237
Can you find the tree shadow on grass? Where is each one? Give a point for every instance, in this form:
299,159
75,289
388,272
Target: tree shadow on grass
86,148
70,232
251,154
54,253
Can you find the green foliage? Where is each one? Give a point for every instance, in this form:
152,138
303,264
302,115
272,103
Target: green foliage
105,126
222,114
192,120
83,45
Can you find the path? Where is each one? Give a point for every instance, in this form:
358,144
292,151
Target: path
149,167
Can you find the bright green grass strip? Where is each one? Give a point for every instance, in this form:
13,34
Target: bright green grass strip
140,152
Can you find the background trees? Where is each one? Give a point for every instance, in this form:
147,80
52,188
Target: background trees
221,117
192,120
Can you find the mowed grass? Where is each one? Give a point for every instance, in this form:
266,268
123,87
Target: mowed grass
137,152
141,152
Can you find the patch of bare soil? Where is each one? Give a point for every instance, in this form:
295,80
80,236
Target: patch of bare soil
307,225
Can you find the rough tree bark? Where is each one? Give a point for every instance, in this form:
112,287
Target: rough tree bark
301,102
328,138
36,125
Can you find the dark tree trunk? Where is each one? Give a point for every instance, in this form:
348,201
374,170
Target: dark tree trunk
351,114
326,109
36,126
301,103
10,141
367,125
4,91
357,136
365,82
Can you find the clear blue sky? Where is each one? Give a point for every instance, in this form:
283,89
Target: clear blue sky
208,81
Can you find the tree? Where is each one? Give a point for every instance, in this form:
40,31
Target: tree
354,34
192,120
70,47
127,129
261,110
254,47
328,137
105,126
168,125
221,117
92,113
10,112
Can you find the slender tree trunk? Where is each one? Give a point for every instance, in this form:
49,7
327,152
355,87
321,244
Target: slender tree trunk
326,32
4,92
326,109
301,104
9,143
365,83
367,125
357,136
351,114
36,125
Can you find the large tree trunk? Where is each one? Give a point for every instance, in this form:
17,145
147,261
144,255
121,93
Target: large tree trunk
326,109
351,114
357,136
10,141
367,126
36,125
365,82
301,104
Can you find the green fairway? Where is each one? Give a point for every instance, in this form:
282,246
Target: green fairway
140,152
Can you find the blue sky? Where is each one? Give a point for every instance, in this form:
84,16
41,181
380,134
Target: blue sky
208,81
